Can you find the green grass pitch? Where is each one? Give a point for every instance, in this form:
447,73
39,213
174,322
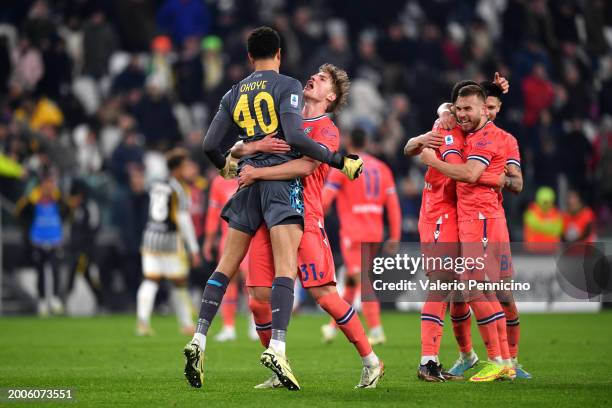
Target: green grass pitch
570,356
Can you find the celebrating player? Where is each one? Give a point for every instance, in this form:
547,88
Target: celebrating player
263,103
439,237
326,91
481,218
163,251
360,206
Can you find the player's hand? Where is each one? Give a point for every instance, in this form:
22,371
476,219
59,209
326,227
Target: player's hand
447,120
501,82
195,260
230,169
432,140
207,249
271,144
247,176
353,166
428,156
390,247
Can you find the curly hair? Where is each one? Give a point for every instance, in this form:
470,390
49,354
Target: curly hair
340,85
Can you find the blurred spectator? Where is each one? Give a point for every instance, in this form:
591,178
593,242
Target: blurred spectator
132,77
578,221
43,213
39,28
538,94
212,63
130,212
184,18
88,154
189,72
57,76
576,155
160,67
28,64
135,13
337,50
156,117
127,155
84,227
99,42
543,222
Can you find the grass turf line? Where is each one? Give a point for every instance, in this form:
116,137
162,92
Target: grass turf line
568,354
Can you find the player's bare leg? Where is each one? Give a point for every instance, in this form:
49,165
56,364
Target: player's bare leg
235,249
285,241
347,320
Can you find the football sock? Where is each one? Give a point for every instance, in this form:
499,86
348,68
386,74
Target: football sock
371,360
486,319
211,299
145,298
426,359
349,297
460,316
182,306
347,320
441,328
467,356
263,320
230,302
432,315
281,302
501,326
512,327
371,312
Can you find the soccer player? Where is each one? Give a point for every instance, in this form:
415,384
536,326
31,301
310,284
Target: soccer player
326,91
514,184
481,217
263,103
360,206
163,251
221,191
439,237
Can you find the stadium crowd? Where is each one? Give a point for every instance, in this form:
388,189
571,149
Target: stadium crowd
92,93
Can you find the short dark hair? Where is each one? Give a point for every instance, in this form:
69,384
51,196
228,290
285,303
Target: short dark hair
458,86
262,43
472,90
176,157
491,89
359,138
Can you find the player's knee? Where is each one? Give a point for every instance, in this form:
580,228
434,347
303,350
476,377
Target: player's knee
259,294
321,291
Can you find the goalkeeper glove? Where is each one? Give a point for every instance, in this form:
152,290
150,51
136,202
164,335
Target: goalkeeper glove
230,169
351,164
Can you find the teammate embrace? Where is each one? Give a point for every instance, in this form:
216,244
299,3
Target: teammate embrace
469,164
266,108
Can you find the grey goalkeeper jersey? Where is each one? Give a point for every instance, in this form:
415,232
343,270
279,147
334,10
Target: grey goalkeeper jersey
167,199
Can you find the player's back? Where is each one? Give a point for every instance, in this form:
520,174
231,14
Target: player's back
256,104
166,198
322,130
360,203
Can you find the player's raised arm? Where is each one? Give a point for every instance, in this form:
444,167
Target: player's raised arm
416,144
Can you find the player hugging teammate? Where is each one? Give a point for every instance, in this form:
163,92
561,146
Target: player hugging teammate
470,160
262,104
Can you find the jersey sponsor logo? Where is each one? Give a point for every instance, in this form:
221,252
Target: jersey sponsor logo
448,140
482,143
367,209
294,100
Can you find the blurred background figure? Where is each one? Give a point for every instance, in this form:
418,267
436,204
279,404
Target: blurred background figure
578,220
43,213
543,222
84,227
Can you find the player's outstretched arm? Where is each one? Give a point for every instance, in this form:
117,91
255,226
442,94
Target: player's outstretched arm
416,144
286,171
468,172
